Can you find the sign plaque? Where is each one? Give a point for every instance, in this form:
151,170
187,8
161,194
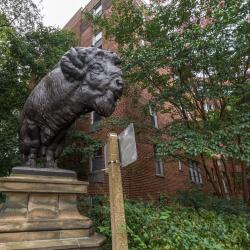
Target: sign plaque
127,145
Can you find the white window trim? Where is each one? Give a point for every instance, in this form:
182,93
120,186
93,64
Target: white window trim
92,117
195,172
208,107
105,151
96,38
179,166
154,114
159,163
90,165
97,10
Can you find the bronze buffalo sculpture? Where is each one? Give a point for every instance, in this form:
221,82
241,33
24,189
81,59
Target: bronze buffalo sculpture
85,80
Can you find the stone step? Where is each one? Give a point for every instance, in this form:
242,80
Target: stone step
45,235
95,242
7,225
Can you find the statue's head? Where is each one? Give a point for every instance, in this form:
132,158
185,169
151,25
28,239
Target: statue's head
99,75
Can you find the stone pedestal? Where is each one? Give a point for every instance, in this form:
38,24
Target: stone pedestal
40,211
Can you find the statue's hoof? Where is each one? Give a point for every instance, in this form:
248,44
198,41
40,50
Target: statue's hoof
31,164
49,165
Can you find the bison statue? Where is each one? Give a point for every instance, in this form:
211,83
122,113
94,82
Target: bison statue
85,80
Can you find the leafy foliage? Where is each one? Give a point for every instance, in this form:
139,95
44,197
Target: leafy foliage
198,200
76,147
165,227
80,147
193,58
22,15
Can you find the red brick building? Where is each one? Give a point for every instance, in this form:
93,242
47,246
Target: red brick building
147,177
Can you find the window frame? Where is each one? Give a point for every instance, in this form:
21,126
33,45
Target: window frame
97,156
92,122
195,172
159,168
97,9
208,107
97,42
159,165
153,116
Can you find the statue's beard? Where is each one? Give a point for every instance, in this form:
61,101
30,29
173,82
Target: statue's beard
105,105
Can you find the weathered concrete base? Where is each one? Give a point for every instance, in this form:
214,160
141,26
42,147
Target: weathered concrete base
40,212
95,242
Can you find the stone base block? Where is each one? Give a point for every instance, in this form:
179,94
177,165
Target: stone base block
95,242
41,212
45,235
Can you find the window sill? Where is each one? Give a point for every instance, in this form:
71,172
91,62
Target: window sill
161,176
98,171
195,183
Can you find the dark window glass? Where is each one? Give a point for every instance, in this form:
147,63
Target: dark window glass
195,172
158,165
153,117
97,161
96,117
97,40
97,10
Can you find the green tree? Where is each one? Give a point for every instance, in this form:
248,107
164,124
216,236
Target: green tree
193,58
80,147
23,15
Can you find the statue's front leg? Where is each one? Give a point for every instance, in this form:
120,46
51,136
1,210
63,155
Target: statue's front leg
31,141
31,162
50,159
55,149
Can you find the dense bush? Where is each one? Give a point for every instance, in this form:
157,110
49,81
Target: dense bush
198,200
175,227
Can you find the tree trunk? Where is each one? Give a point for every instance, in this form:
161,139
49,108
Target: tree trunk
234,177
216,190
245,190
248,184
217,171
228,177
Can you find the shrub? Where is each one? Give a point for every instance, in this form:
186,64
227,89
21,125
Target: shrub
197,199
175,227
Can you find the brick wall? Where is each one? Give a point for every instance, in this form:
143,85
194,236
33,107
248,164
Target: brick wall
74,24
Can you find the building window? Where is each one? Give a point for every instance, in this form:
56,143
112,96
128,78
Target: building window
159,167
95,117
208,107
97,161
188,115
153,116
97,10
97,40
159,171
195,172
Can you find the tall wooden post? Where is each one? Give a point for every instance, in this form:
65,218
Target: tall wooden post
118,223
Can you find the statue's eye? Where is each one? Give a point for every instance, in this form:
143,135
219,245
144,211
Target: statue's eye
97,68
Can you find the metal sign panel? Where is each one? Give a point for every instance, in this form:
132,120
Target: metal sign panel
128,151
